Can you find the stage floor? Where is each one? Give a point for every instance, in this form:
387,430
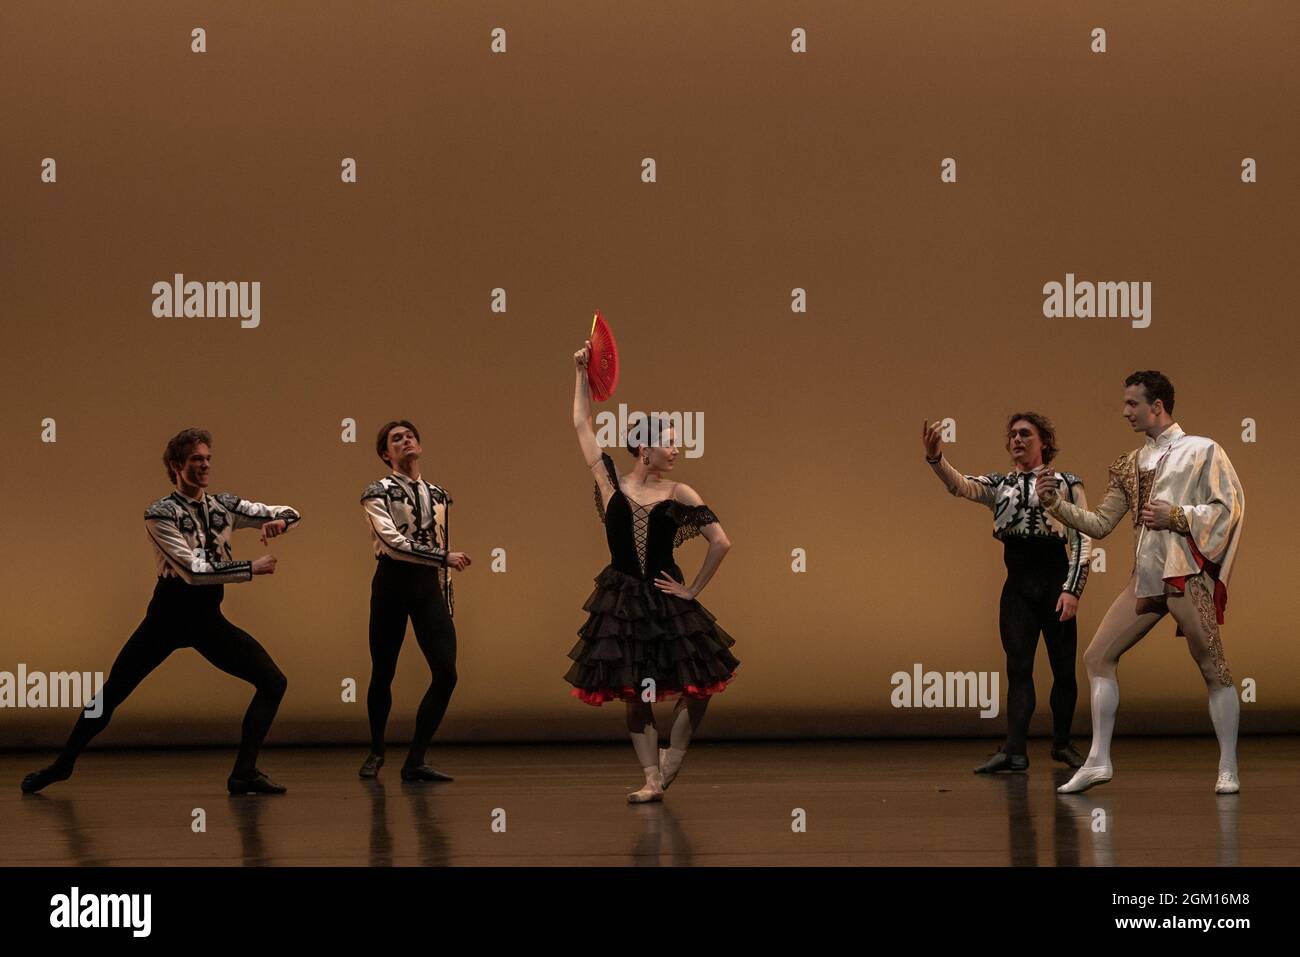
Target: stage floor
865,803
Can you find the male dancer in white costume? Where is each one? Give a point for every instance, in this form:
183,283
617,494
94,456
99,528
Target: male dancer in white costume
1188,507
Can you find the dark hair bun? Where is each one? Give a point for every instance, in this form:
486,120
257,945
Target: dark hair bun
647,432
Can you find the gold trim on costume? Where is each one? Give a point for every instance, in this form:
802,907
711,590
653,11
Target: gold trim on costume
1204,602
1146,479
1123,475
1178,520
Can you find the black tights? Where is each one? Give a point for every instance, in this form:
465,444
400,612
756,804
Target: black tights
1028,608
400,590
188,616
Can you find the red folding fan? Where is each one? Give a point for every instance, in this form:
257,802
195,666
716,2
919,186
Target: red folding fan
602,366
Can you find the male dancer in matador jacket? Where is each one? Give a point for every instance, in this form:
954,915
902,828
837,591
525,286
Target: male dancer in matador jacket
190,531
408,518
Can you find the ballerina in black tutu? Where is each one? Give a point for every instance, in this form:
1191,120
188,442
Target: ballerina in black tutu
647,639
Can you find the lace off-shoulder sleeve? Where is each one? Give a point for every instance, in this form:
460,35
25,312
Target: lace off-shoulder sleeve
690,519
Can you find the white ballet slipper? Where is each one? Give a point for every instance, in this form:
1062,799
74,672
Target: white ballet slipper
1085,778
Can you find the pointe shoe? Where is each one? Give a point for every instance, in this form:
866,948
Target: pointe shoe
1085,778
1067,755
652,791
1228,783
43,778
670,762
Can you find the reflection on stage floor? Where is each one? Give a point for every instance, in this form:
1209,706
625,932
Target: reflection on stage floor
814,803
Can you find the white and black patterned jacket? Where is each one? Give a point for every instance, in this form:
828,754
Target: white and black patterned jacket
409,522
1017,512
191,539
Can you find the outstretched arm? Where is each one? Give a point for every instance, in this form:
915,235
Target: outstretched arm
1095,523
977,488
582,423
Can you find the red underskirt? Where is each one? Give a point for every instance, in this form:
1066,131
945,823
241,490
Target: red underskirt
602,695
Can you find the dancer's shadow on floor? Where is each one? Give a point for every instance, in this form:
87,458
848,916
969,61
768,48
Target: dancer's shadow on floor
1229,846
431,839
381,835
1022,831
661,840
1022,837
246,810
1087,813
63,812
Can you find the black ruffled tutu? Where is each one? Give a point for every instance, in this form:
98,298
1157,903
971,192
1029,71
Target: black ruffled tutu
634,631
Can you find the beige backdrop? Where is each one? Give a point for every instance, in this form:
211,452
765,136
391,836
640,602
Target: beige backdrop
522,171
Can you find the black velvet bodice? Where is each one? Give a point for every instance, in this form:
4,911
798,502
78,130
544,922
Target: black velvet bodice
642,539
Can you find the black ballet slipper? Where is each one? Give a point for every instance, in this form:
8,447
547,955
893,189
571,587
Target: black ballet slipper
259,783
1067,755
424,773
38,780
373,762
1001,761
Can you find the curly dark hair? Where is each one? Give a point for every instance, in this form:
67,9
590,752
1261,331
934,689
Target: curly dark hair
180,447
381,442
1046,433
1156,385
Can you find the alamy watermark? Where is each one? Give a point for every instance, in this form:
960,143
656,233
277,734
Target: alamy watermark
642,428
75,909
945,689
1100,300
55,689
211,300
